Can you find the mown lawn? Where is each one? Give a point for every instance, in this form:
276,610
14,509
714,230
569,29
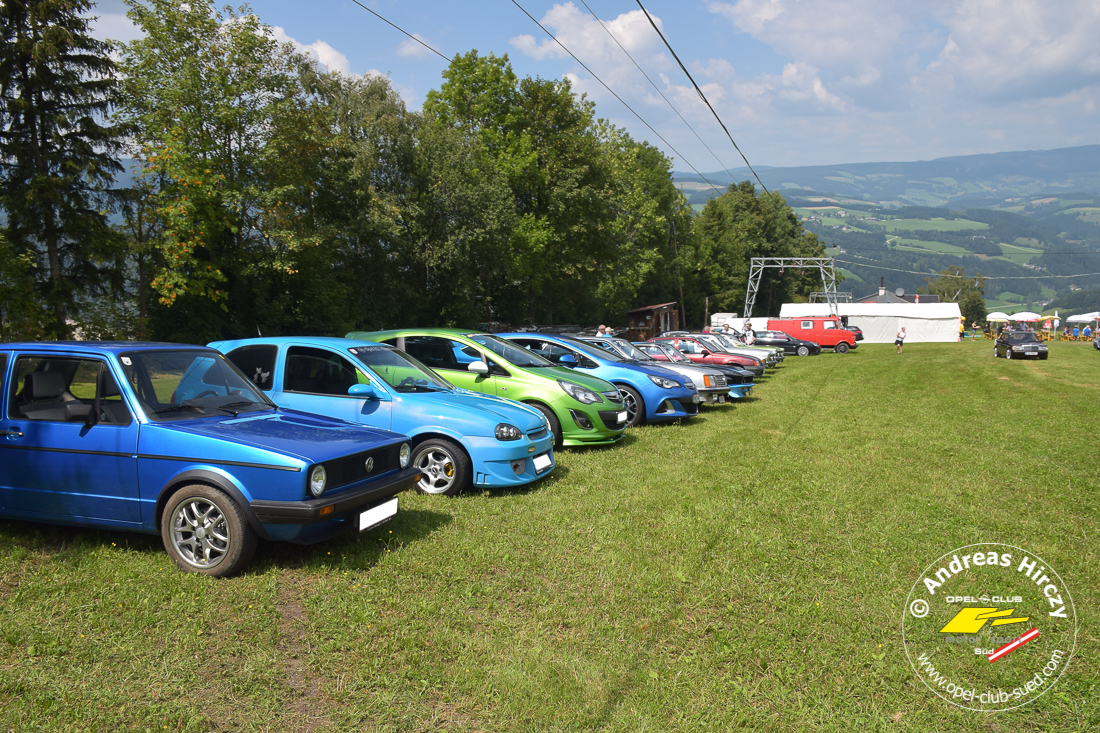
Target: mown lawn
746,570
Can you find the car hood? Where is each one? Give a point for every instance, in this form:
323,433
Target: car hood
494,410
311,438
570,375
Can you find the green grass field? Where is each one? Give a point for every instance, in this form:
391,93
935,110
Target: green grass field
746,570
938,225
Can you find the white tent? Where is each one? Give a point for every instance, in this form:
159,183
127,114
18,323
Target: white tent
1084,317
882,321
1025,316
997,316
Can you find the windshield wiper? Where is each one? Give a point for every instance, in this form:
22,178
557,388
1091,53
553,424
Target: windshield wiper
228,406
180,406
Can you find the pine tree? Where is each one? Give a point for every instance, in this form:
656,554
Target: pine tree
56,154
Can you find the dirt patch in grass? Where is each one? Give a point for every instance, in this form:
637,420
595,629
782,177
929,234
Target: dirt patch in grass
293,645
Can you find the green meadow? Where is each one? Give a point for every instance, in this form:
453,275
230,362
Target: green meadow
747,570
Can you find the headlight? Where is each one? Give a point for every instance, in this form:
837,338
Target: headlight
317,480
403,455
581,394
663,383
508,432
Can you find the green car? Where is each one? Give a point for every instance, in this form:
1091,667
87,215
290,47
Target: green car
581,409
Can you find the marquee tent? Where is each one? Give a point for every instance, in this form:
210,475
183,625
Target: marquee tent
882,321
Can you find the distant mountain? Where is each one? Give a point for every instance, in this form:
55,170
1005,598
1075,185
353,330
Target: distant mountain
973,179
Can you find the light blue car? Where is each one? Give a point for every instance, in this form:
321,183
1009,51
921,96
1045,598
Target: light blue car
460,438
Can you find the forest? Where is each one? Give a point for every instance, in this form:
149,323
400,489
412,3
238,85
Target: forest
206,182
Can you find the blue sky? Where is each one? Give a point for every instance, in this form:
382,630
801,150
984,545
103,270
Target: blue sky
797,82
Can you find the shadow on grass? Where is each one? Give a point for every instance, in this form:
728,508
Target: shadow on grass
58,542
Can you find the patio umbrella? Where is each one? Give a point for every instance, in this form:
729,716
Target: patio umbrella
1027,316
997,316
1084,317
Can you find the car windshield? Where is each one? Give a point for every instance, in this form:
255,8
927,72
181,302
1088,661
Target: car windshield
730,340
630,351
715,343
399,370
1022,337
188,384
509,352
667,349
592,350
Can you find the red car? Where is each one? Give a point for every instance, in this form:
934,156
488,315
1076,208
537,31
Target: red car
698,352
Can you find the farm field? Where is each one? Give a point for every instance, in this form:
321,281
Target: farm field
748,569
938,225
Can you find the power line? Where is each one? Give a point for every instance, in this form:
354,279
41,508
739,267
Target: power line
658,90
666,142
700,93
410,35
984,277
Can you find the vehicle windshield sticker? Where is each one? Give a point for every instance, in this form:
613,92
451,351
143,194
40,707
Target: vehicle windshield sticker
367,349
126,361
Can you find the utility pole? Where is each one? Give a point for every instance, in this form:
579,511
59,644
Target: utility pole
706,314
679,277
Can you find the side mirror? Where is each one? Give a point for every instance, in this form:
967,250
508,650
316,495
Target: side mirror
567,360
704,352
77,412
478,367
364,391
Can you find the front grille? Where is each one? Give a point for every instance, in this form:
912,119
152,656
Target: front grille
720,380
612,396
348,470
611,419
536,434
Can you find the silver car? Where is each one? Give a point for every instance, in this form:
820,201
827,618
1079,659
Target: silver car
710,383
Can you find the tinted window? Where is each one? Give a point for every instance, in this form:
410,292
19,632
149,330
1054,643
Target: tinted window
42,387
554,352
257,363
508,351
399,370
317,371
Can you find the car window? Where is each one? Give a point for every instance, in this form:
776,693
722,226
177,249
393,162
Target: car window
436,352
257,362
185,384
43,386
689,347
319,371
808,324
829,324
509,351
552,351
399,370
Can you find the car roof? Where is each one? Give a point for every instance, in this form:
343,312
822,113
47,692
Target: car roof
432,331
333,341
112,347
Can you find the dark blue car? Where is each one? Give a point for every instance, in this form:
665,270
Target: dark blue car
174,440
650,394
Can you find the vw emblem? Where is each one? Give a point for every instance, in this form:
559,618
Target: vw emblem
368,465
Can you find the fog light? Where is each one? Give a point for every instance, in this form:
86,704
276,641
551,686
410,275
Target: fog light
581,419
519,466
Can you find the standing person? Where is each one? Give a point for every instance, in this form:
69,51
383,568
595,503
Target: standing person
962,329
750,335
899,341
1087,333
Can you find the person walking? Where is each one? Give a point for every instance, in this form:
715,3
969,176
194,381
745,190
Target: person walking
899,341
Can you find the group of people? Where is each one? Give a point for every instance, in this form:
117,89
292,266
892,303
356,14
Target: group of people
1078,331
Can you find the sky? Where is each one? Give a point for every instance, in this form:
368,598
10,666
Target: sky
796,82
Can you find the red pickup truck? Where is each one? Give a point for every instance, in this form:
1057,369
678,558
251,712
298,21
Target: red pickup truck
826,332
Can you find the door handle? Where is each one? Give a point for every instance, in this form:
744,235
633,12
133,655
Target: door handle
11,433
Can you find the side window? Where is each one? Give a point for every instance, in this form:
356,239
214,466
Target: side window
808,325
689,347
316,371
439,353
257,363
42,388
829,324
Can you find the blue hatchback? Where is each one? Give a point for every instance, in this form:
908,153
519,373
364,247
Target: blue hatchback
459,437
650,394
168,439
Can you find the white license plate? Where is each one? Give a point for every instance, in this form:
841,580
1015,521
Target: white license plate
377,515
622,416
542,462
1031,353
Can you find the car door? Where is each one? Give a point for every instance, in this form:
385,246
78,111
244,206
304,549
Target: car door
56,461
452,359
314,379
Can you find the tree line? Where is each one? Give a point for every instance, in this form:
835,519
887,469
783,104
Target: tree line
206,181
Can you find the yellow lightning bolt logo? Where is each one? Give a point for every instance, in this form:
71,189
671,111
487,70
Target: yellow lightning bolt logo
971,620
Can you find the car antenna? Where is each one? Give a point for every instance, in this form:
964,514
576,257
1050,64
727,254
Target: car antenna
258,331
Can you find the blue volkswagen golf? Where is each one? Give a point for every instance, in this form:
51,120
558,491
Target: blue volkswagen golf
169,439
460,438
650,394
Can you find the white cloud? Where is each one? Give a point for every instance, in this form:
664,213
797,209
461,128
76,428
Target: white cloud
319,51
411,49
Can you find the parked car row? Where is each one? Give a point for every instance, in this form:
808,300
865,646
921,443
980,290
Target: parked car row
298,438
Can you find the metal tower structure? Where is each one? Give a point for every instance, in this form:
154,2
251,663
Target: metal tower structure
825,265
819,296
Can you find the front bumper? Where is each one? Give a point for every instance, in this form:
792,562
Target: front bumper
713,395
492,459
342,502
739,391
605,427
671,404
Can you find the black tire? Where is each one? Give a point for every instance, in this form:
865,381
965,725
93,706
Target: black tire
205,531
803,351
552,419
842,348
634,404
444,467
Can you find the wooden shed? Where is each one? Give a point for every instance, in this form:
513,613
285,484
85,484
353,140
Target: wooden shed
647,322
